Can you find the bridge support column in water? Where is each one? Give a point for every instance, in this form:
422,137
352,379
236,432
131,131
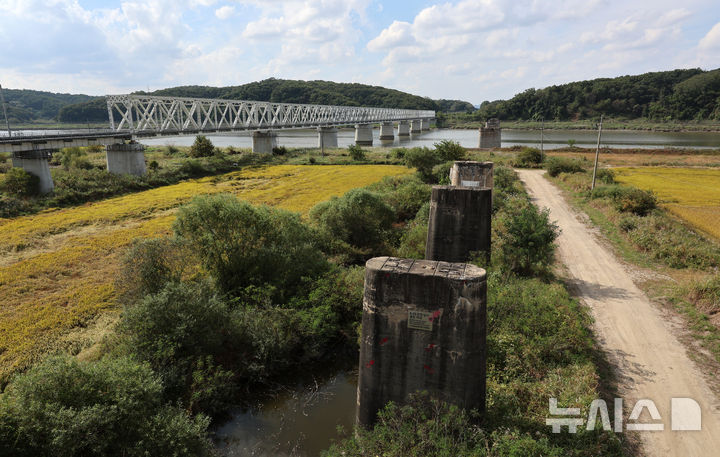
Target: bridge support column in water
425,124
490,134
363,135
125,158
423,328
471,174
416,126
403,128
263,142
459,223
327,137
387,131
36,162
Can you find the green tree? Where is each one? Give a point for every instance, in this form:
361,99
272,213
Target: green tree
423,159
20,183
202,147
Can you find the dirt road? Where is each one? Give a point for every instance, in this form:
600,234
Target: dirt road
649,360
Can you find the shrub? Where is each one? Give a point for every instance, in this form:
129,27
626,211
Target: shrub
202,147
73,158
13,206
243,245
412,244
154,166
360,218
557,165
63,407
171,150
398,153
627,199
406,194
424,160
528,158
525,238
279,150
605,176
356,153
18,182
441,173
449,150
571,143
192,168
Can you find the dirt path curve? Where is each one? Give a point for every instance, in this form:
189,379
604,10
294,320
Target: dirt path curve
649,360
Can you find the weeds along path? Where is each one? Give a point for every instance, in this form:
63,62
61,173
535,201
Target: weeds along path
649,361
57,267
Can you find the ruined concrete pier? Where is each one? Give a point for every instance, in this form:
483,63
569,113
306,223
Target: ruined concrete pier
472,174
416,126
387,131
490,134
403,128
125,158
36,162
263,142
363,135
459,223
423,328
327,137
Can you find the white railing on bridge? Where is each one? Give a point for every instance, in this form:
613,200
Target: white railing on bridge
139,113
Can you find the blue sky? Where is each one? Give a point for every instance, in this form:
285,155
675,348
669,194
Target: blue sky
473,50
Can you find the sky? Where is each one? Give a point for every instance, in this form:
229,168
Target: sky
472,50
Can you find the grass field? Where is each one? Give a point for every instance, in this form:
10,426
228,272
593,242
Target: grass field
692,194
57,267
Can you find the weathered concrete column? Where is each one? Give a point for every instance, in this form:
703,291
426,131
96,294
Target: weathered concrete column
327,137
403,128
264,142
387,131
472,174
416,126
363,134
423,328
425,124
490,135
36,162
125,158
459,223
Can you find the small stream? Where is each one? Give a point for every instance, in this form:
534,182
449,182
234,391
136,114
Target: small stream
302,420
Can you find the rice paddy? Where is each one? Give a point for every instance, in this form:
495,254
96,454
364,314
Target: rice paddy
693,194
57,267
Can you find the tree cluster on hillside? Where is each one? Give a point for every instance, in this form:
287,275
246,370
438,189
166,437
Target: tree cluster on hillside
28,105
454,106
667,95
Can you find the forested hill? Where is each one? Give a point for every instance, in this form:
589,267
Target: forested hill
29,105
285,91
667,95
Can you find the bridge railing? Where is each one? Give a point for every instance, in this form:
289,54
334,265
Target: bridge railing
179,114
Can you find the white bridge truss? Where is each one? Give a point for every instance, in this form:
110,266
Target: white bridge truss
140,113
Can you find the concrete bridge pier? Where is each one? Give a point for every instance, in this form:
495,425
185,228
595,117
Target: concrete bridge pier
423,328
263,142
425,126
327,137
403,128
36,162
471,174
363,135
490,134
126,158
416,126
459,223
387,131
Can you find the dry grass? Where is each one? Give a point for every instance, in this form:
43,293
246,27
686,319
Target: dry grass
690,193
620,158
57,267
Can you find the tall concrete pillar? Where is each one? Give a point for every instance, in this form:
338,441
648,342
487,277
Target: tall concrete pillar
472,174
459,223
125,158
387,131
423,328
264,142
363,135
327,137
36,162
490,134
425,124
403,128
416,126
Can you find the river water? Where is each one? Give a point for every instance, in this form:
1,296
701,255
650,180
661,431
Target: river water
469,138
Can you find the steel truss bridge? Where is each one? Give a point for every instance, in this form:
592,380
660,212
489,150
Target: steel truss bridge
169,115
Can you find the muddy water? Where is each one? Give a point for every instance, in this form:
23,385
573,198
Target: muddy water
301,421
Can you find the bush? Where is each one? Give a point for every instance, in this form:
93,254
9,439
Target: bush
406,194
412,244
279,150
73,158
424,160
449,150
202,147
605,176
356,153
524,238
627,199
192,168
19,183
441,173
557,165
398,153
154,166
528,158
243,245
13,206
63,407
171,150
359,218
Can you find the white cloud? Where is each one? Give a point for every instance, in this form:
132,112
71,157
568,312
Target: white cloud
224,12
712,39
